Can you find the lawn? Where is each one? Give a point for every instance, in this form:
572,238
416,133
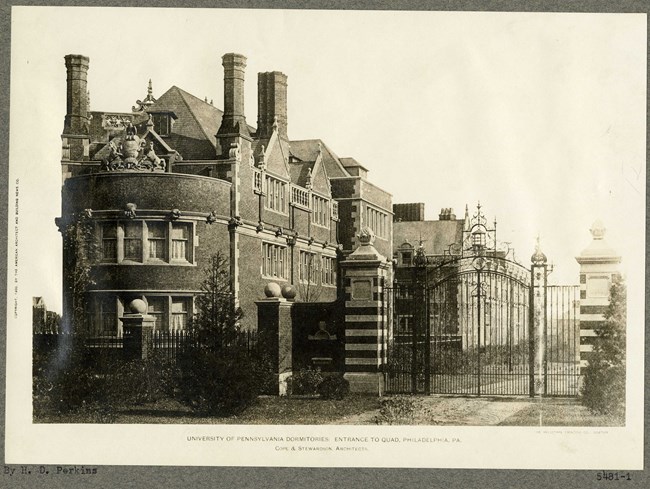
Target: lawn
360,410
559,412
266,410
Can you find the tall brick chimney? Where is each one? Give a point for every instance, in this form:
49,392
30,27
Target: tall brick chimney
271,103
233,122
76,118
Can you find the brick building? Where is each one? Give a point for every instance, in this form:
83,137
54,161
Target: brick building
441,255
171,182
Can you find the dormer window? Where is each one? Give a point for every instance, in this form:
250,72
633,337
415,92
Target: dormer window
162,122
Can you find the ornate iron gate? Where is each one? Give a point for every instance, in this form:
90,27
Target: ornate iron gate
469,327
558,372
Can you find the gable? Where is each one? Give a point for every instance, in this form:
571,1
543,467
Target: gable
319,180
307,150
275,159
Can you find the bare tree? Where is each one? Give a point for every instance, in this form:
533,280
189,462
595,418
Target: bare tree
309,281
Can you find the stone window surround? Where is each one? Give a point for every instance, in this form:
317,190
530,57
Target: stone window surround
381,225
328,271
314,266
280,252
281,206
114,303
323,218
191,241
318,260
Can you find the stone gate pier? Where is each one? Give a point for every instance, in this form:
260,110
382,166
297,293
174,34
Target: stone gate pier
598,264
365,272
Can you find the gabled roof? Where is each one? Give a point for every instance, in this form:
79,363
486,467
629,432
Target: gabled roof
307,150
436,236
193,132
299,170
319,180
276,154
314,172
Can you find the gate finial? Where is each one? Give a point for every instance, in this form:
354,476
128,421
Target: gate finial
538,257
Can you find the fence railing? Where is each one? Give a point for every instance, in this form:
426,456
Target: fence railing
166,343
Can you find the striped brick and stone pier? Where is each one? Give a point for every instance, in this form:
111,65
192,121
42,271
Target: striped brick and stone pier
598,264
365,271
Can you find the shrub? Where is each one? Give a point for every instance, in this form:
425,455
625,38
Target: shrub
219,383
603,390
70,380
219,375
396,410
63,381
137,382
334,387
305,381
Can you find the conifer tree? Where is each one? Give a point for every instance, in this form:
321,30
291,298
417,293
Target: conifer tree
604,379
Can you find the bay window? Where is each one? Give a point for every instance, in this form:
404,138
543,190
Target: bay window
146,241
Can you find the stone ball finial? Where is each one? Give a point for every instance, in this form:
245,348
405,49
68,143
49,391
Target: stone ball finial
272,290
138,306
366,236
289,292
598,229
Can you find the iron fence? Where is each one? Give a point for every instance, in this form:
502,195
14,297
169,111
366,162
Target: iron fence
166,344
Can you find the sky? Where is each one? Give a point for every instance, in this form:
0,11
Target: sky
539,116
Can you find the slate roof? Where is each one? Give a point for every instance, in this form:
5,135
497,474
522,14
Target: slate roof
193,132
299,171
436,235
351,163
307,150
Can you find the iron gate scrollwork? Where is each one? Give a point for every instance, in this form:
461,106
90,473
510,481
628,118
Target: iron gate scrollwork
460,328
480,323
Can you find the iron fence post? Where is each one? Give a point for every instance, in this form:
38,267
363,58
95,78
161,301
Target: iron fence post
531,335
478,297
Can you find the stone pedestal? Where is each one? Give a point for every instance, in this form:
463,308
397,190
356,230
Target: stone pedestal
274,325
137,336
366,325
598,264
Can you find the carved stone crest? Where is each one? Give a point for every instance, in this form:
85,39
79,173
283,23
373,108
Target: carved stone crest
132,153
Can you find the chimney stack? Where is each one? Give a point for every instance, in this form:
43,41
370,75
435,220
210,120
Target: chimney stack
271,104
77,118
447,214
233,122
408,212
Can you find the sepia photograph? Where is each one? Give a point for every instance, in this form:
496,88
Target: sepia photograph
326,238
